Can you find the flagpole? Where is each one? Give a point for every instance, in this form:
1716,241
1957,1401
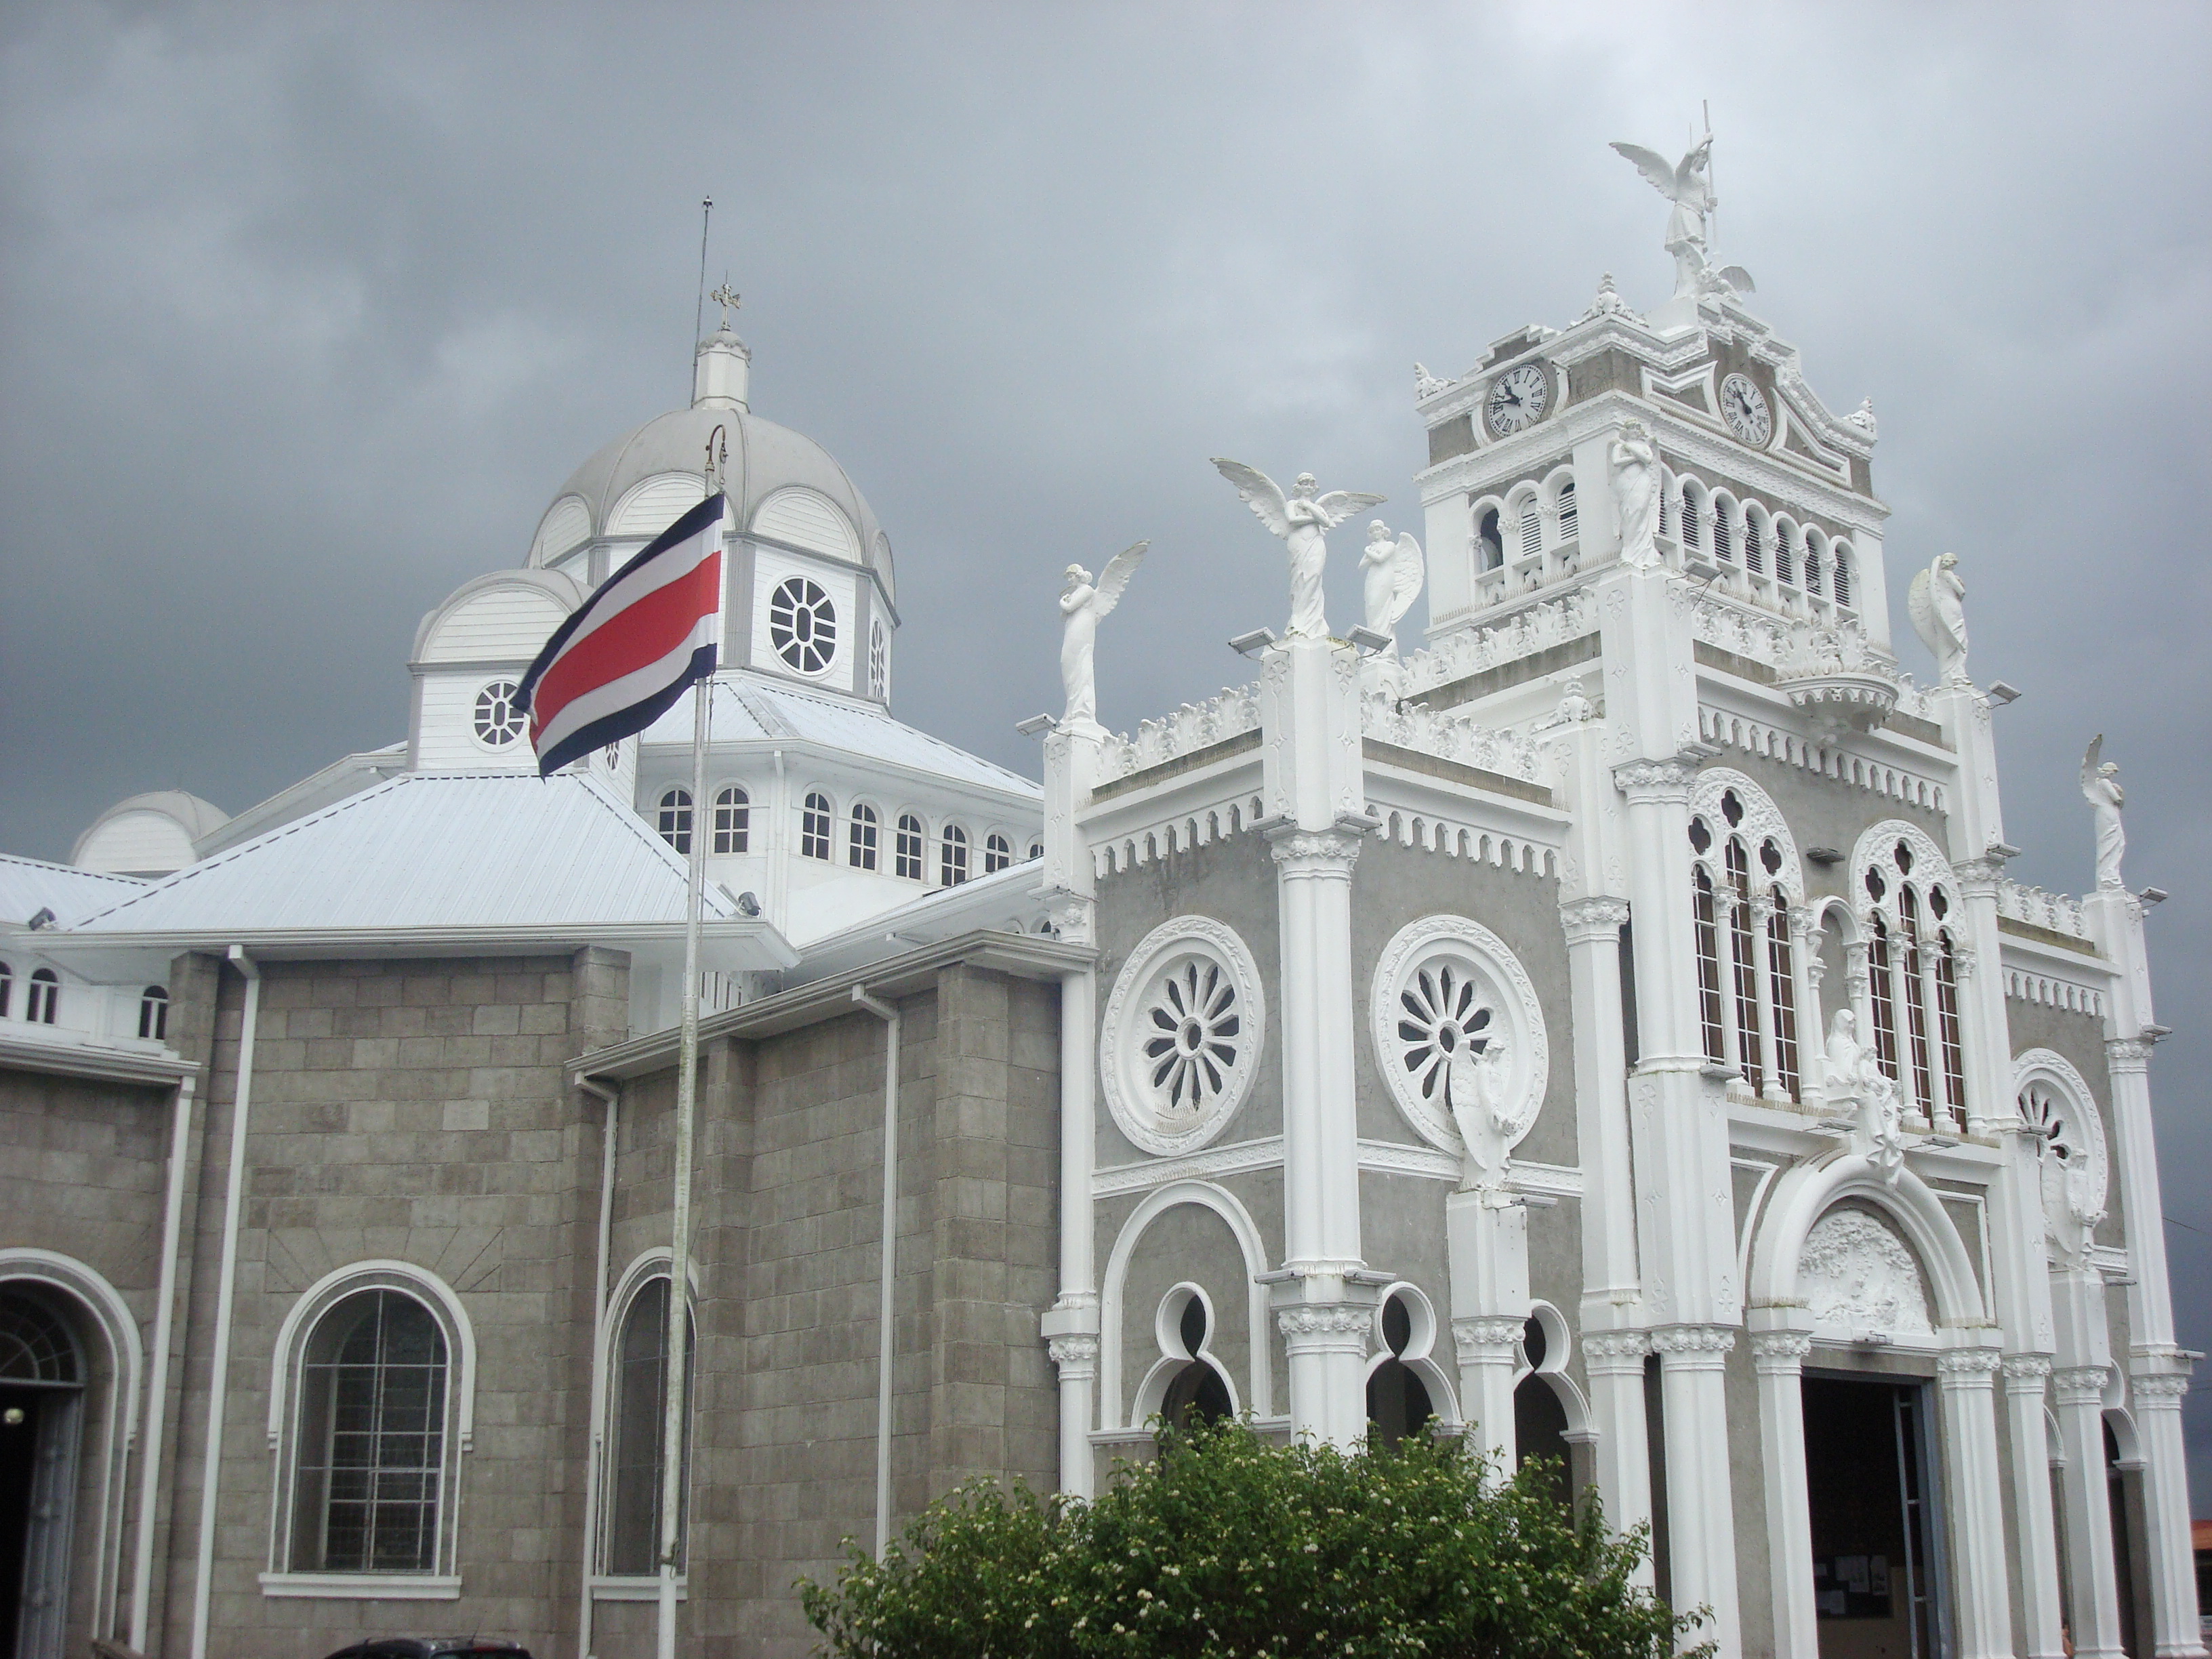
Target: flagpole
687,1091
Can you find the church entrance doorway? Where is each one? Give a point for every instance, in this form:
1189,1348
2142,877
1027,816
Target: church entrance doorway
1876,1585
41,1396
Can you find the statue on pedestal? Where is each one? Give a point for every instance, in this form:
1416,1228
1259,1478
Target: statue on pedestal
1304,521
1856,1081
1083,606
1392,575
1688,186
1475,1081
1633,464
1937,602
2100,788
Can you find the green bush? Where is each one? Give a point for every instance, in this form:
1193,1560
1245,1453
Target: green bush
1228,1546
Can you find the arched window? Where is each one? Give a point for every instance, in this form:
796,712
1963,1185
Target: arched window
1398,1401
1724,529
370,1451
1532,528
1744,871
1785,551
1782,987
1492,541
153,1013
1813,541
1706,927
734,821
639,1430
1755,540
1842,583
42,1002
7,988
953,856
1540,1419
1743,972
1197,1389
1885,1004
1916,999
1947,1013
1693,516
907,852
860,837
674,819
1036,851
1567,523
814,826
998,852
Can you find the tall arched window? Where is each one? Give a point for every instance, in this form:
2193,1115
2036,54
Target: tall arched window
1947,1020
7,986
1532,528
1492,541
1197,1390
1707,928
998,852
860,837
1746,876
953,856
907,852
1398,1402
814,826
639,1433
1885,1003
1743,973
1915,1000
42,1004
734,821
1782,979
153,1013
1842,583
370,1459
673,820
1912,969
1567,522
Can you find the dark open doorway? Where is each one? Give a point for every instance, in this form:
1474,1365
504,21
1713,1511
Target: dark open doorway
1875,1581
41,1398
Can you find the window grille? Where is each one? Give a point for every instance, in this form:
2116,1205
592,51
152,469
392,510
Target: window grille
860,838
1709,971
1567,510
1782,977
998,855
370,1474
734,821
42,1003
814,826
498,721
802,625
953,857
906,854
639,1434
1532,529
674,820
153,1013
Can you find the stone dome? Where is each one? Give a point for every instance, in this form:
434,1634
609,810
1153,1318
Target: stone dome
641,482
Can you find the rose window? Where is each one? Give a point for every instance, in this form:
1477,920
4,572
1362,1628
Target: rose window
1441,1012
2046,1114
802,625
498,721
1197,1033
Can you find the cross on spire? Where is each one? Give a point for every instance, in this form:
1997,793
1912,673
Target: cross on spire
725,298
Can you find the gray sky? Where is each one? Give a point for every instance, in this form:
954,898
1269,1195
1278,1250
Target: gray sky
306,311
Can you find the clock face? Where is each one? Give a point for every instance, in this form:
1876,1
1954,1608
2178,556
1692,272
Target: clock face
1517,399
1743,406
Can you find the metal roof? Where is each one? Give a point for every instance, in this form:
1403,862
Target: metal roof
30,885
430,850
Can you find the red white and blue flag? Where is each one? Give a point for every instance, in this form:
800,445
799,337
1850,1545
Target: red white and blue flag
622,659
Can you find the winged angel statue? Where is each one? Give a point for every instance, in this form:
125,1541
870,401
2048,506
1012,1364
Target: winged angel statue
1084,604
2100,788
1304,521
1937,601
1688,186
1392,574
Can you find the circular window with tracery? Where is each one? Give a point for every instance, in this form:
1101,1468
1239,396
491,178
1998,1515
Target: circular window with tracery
1456,1022
1183,1028
802,625
1442,1011
498,721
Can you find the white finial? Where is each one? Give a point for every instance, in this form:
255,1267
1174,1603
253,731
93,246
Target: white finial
729,301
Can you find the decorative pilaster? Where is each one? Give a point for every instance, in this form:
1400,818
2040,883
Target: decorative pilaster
1966,1379
1327,1343
1609,1206
2035,1531
1763,910
1700,1508
1778,1356
1807,970
2157,1385
1489,1351
1614,1361
2078,1399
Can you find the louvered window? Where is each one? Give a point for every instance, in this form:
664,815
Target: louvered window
1532,529
1754,546
1843,577
1567,510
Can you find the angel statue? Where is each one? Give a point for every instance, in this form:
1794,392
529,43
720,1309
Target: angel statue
1937,602
1688,186
2100,788
1634,462
1083,605
1303,522
1394,575
1474,1085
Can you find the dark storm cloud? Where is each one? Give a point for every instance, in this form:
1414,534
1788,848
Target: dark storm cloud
309,310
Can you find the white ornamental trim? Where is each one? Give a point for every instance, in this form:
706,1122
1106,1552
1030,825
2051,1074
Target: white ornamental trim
1516,1014
1172,990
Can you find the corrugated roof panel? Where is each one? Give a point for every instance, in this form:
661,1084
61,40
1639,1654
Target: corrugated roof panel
30,885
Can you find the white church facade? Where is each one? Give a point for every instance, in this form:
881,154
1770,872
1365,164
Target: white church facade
1603,1027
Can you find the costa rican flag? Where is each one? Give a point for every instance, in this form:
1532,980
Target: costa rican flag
623,659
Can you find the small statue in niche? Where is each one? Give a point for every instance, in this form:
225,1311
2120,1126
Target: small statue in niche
1633,461
2100,788
1474,1084
1937,602
1083,606
1303,520
1392,574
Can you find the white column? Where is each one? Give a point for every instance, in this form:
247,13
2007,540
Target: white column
1700,1511
1778,1355
1071,1327
2035,1530
1614,1361
1806,969
2157,1396
1488,1348
1762,957
1982,1592
1608,1205
2079,1392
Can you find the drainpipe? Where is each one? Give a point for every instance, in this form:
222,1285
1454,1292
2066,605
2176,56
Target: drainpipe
157,1382
225,1297
889,1015
588,1611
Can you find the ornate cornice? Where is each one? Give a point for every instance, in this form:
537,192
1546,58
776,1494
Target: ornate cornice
1593,919
2079,1385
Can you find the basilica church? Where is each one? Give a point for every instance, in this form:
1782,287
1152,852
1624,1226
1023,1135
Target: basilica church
1578,1005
